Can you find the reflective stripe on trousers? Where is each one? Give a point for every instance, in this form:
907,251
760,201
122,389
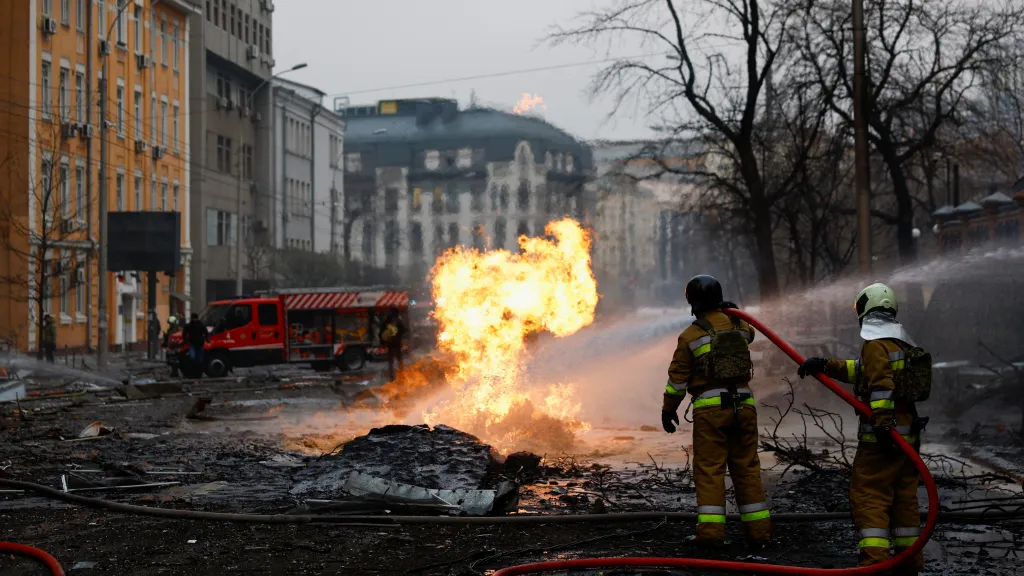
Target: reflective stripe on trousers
874,538
756,511
714,398
710,514
905,537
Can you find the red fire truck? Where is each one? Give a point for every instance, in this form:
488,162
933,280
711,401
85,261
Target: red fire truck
323,327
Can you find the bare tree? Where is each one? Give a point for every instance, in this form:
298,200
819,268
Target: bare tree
42,232
925,59
697,93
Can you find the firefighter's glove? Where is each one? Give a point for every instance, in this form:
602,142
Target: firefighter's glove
669,420
812,366
882,421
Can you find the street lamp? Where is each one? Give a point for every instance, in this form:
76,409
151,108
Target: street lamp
241,138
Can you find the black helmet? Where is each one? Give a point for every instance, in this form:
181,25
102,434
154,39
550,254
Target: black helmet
703,293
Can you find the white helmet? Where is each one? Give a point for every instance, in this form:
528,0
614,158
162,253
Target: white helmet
875,297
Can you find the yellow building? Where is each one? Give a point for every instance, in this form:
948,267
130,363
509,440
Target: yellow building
50,158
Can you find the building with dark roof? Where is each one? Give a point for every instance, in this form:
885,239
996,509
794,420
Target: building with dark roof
422,176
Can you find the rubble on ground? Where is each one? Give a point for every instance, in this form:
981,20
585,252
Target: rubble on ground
434,458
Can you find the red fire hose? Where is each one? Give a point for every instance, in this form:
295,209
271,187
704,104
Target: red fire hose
749,567
34,553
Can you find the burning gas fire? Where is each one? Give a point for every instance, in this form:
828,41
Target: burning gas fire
528,103
487,303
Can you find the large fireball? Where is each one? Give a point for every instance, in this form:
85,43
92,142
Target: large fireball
486,305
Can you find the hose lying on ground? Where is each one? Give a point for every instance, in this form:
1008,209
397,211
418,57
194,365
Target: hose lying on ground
34,553
981,517
750,567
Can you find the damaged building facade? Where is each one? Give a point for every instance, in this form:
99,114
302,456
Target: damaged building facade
649,238
422,176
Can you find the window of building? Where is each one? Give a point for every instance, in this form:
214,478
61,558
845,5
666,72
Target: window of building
503,197
122,24
220,228
523,196
120,108
216,12
416,200
65,12
175,46
163,123
478,236
416,238
232,24
270,45
452,204
138,191
65,190
79,295
224,154
45,179
163,196
247,162
368,251
64,308
120,191
63,96
437,202
80,208
80,98
453,235
176,191
391,200
138,29
523,229
152,35
494,197
245,31
152,193
499,233
138,114
163,41
47,89
177,127
80,15
152,118
439,244
101,17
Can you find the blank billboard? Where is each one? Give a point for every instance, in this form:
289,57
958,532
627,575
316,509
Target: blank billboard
144,241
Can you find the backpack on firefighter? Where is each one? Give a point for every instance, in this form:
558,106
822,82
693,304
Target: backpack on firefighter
911,375
726,361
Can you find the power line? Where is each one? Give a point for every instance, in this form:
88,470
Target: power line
500,74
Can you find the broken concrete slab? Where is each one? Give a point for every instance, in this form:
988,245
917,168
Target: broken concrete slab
471,502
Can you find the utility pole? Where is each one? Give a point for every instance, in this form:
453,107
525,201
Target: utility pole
862,175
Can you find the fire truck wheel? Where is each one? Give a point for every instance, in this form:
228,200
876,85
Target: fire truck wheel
217,365
352,359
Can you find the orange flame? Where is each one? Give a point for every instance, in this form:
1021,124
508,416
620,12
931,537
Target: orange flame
528,103
487,303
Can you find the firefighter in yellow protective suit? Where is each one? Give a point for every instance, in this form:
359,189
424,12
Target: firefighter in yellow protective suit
883,490
712,363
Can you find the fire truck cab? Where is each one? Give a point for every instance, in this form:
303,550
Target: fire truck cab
323,327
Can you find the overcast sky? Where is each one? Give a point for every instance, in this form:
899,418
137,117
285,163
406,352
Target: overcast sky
362,47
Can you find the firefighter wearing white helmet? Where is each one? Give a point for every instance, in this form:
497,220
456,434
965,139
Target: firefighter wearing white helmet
891,375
